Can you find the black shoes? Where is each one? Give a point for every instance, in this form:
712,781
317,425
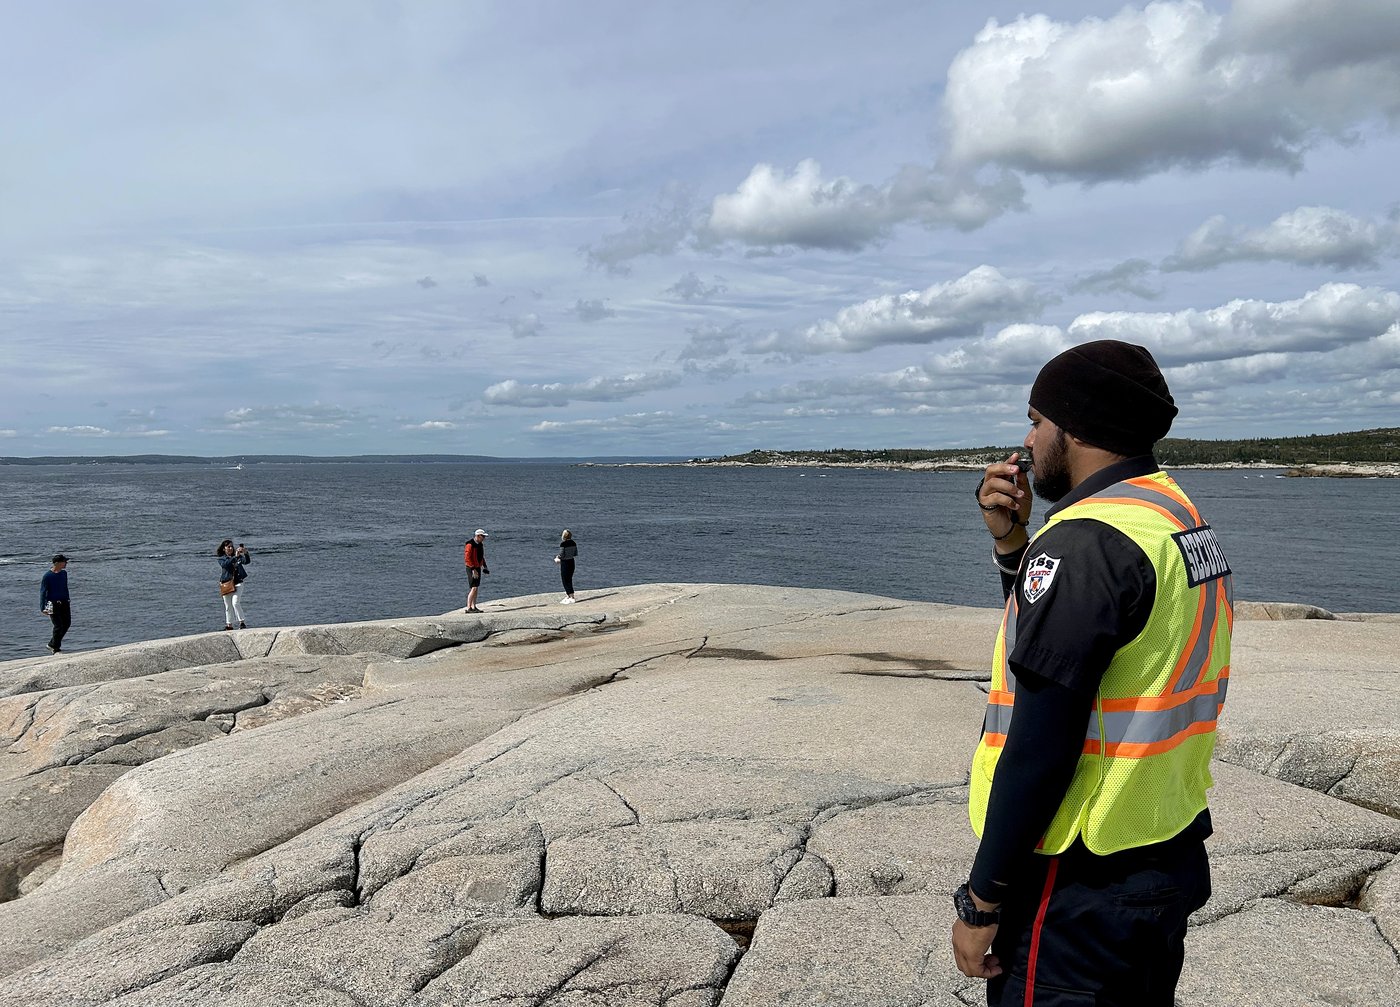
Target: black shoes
242,624
228,627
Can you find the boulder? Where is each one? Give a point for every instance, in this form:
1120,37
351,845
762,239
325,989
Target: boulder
1282,954
1278,611
168,825
853,952
64,746
133,660
670,960
1318,704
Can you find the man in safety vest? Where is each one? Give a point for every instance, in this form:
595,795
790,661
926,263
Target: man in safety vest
1088,788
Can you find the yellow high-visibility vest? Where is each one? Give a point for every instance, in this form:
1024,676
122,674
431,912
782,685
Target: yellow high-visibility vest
1145,768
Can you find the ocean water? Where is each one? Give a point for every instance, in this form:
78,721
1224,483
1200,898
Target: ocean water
339,542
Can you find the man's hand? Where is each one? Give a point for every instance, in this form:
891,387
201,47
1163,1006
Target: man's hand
1005,494
972,951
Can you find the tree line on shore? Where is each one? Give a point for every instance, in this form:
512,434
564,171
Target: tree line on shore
1380,445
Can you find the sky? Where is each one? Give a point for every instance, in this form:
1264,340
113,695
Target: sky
562,230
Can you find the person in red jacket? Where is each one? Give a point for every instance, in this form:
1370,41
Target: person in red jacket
474,555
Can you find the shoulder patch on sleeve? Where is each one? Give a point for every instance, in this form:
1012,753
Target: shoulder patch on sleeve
1201,552
1040,574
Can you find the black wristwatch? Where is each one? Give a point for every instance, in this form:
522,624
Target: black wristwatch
968,911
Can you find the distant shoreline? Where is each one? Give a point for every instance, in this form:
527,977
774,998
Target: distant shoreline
1328,470
1349,470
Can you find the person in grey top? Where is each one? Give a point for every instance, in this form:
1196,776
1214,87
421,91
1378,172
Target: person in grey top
568,550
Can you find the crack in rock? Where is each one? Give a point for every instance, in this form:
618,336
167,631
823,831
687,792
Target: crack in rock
951,675
1394,952
740,930
356,884
792,855
636,816
29,711
593,958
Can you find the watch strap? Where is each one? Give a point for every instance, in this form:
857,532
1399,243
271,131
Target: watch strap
969,913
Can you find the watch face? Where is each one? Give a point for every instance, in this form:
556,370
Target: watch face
969,913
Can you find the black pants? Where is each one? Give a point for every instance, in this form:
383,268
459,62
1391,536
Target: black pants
62,618
566,574
1095,931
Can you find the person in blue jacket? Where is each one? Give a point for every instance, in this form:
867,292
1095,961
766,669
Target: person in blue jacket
231,573
54,602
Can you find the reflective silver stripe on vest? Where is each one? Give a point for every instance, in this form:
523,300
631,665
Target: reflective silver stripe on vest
1127,491
1144,727
1199,657
998,717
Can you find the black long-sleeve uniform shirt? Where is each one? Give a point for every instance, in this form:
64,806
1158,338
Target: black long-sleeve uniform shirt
1099,599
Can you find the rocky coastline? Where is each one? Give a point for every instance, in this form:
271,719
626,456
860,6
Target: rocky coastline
680,794
1349,470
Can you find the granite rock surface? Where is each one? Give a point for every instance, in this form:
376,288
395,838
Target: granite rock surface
676,794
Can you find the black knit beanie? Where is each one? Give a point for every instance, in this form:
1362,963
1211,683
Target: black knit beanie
1108,393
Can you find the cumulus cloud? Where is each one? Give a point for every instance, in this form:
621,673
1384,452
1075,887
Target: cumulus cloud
771,208
1338,330
1010,356
431,425
92,431
81,431
592,311
9,433
597,389
1127,277
315,416
691,288
1172,84
958,308
631,421
1317,36
1225,374
524,326
1332,316
660,422
1307,236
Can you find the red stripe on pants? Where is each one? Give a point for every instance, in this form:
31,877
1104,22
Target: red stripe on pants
1035,930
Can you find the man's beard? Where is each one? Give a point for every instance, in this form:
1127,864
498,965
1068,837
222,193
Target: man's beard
1051,471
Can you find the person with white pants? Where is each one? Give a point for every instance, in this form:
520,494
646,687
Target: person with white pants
232,574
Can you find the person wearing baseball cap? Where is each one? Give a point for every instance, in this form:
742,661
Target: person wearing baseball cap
54,602
474,555
1088,787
